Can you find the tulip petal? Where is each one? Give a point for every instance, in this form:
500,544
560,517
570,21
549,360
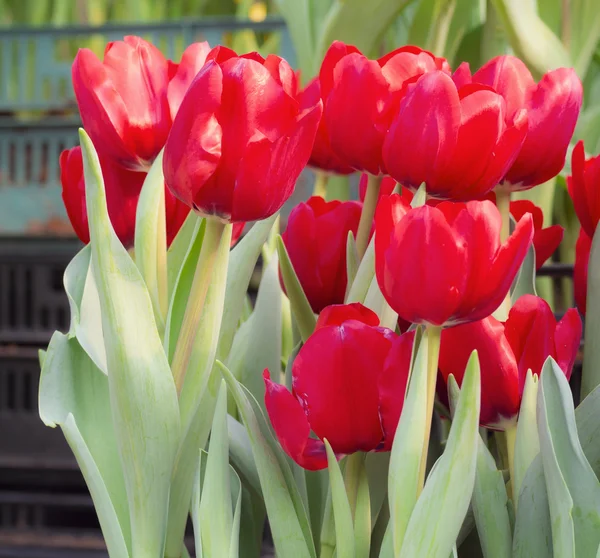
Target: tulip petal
291,427
334,54
546,241
580,271
583,188
337,314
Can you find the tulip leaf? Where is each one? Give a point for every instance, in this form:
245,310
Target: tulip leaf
377,302
362,512
351,260
344,528
151,240
195,505
178,250
489,506
530,37
442,506
287,516
527,444
357,292
587,416
142,392
590,377
573,488
407,449
532,537
420,197
216,516
377,465
74,395
585,33
84,302
240,453
524,282
305,317
257,343
242,263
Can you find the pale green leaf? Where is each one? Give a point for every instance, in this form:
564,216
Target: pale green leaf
524,282
240,452
362,512
359,288
585,33
178,250
587,416
377,302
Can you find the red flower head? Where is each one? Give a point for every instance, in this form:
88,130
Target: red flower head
315,238
580,271
545,241
123,189
240,138
552,107
358,95
584,188
506,351
349,381
322,157
460,141
123,100
444,265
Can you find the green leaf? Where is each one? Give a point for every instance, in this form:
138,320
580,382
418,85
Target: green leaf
407,449
359,288
440,510
305,317
524,283
344,527
377,302
527,444
74,395
178,250
287,516
532,537
489,506
573,489
84,302
587,416
195,505
151,240
240,452
216,516
585,33
362,512
590,377
530,37
142,392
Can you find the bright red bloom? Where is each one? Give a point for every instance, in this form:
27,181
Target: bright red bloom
545,240
123,189
444,265
322,157
315,238
552,107
123,100
459,141
240,138
349,380
506,351
580,270
359,94
584,188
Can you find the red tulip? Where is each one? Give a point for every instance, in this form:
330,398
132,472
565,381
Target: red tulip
123,189
315,238
458,141
552,107
358,95
580,270
349,380
545,241
584,188
240,138
444,265
123,100
506,351
322,157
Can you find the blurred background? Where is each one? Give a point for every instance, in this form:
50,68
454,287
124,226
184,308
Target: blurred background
45,510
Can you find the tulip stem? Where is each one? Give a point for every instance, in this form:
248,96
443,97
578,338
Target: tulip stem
503,204
367,214
511,439
321,180
434,336
193,311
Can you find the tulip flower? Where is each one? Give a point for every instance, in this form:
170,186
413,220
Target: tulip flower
315,238
349,381
459,141
584,188
123,100
240,138
545,240
444,265
358,95
123,189
580,270
552,107
507,351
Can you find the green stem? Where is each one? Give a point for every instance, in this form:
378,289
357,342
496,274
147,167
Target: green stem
511,439
503,204
368,212
320,187
434,334
354,464
193,312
